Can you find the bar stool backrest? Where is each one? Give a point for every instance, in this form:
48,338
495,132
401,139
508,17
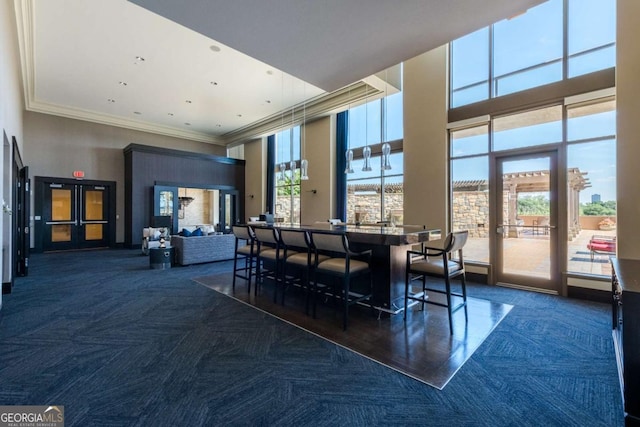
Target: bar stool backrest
295,238
267,235
242,232
330,242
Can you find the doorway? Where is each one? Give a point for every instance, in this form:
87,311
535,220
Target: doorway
74,214
526,205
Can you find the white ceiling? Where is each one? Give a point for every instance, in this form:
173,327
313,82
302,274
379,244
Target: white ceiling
77,55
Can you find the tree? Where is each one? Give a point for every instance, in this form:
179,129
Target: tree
533,205
599,208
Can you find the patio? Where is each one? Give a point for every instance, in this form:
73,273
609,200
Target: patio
527,254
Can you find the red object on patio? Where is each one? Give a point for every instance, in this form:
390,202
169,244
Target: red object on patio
602,245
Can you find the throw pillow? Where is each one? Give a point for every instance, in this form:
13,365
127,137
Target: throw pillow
156,234
197,232
185,232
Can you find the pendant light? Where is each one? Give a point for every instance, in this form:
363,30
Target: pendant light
386,148
366,151
349,153
349,157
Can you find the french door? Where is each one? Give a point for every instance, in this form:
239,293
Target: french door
526,237
75,216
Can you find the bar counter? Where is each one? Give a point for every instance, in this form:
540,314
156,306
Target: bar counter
389,246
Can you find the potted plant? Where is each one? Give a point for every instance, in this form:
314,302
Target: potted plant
607,224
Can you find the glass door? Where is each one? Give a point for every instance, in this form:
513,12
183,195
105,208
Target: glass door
526,215
60,218
76,216
228,210
93,216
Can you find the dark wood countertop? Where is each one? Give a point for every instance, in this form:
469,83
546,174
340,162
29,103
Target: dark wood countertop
370,234
628,273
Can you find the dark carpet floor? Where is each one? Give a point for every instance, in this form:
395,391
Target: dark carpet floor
119,344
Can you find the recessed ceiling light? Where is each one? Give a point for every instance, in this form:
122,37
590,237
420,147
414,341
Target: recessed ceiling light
122,83
214,48
137,112
139,59
239,115
187,123
170,114
214,83
111,100
188,101
270,72
219,125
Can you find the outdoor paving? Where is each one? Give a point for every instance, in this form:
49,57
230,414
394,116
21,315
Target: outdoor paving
528,254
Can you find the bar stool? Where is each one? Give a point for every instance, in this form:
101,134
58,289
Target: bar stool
341,265
436,261
296,258
244,249
268,256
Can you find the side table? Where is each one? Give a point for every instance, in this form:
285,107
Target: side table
161,258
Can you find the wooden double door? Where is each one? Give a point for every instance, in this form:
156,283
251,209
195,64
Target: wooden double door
75,214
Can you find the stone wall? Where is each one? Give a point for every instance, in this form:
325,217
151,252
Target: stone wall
471,212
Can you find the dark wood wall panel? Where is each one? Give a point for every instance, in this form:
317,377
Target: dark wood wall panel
145,166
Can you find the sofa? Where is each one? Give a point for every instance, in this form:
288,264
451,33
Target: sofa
206,248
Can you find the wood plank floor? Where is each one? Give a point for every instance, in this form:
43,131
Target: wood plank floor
421,348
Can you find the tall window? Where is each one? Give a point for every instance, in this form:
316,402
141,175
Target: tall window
535,48
470,188
376,195
592,207
287,175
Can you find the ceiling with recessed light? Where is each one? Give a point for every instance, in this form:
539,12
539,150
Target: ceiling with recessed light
198,69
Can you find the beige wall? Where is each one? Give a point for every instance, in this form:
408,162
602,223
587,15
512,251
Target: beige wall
255,156
56,146
628,128
426,181
11,107
320,150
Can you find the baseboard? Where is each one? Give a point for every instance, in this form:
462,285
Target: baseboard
476,277
6,288
595,295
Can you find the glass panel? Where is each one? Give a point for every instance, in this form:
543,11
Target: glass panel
394,124
227,211
591,121
470,204
370,115
93,205
394,190
592,206
93,232
526,201
61,233
591,36
166,203
528,49
474,140
527,129
363,200
60,204
470,68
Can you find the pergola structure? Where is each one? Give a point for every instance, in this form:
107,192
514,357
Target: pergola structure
538,181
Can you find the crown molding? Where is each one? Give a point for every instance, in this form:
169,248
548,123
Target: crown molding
26,41
323,105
